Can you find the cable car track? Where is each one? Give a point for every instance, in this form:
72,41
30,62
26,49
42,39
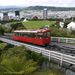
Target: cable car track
60,47
66,49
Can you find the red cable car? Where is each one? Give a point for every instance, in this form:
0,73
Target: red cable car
38,37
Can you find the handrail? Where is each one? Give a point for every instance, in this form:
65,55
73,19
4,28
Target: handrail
63,40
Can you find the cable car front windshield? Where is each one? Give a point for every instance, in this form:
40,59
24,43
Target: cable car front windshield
43,35
46,34
38,35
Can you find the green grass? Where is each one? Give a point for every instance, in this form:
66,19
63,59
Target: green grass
37,24
48,72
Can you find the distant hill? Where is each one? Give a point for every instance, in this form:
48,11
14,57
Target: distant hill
51,8
13,8
9,8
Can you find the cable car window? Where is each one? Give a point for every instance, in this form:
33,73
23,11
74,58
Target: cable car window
32,35
14,33
44,34
23,34
28,35
39,35
48,34
17,34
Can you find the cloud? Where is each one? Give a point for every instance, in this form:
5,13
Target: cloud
62,3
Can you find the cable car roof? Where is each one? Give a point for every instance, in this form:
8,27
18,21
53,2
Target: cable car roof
32,31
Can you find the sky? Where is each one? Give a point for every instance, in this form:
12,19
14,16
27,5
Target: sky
57,3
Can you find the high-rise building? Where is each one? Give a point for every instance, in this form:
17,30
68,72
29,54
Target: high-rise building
17,13
5,16
45,13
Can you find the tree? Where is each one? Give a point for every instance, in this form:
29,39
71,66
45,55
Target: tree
1,30
35,18
17,25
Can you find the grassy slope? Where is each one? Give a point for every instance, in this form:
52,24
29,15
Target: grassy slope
37,24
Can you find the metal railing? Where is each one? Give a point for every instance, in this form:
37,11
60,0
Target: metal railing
63,40
49,53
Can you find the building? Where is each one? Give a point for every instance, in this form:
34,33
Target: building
71,26
17,13
45,13
5,16
61,24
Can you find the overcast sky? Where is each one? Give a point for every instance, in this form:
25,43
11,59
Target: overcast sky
62,3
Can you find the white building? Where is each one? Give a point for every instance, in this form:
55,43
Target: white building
71,26
61,24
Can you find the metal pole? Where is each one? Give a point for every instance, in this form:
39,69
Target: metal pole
61,60
49,55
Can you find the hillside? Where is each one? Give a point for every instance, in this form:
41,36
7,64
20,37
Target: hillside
9,8
51,8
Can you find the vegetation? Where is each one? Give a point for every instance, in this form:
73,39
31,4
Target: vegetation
1,30
19,60
14,61
50,8
2,46
13,26
37,24
37,58
56,31
17,25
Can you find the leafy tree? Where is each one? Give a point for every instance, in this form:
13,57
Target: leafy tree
66,23
17,25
